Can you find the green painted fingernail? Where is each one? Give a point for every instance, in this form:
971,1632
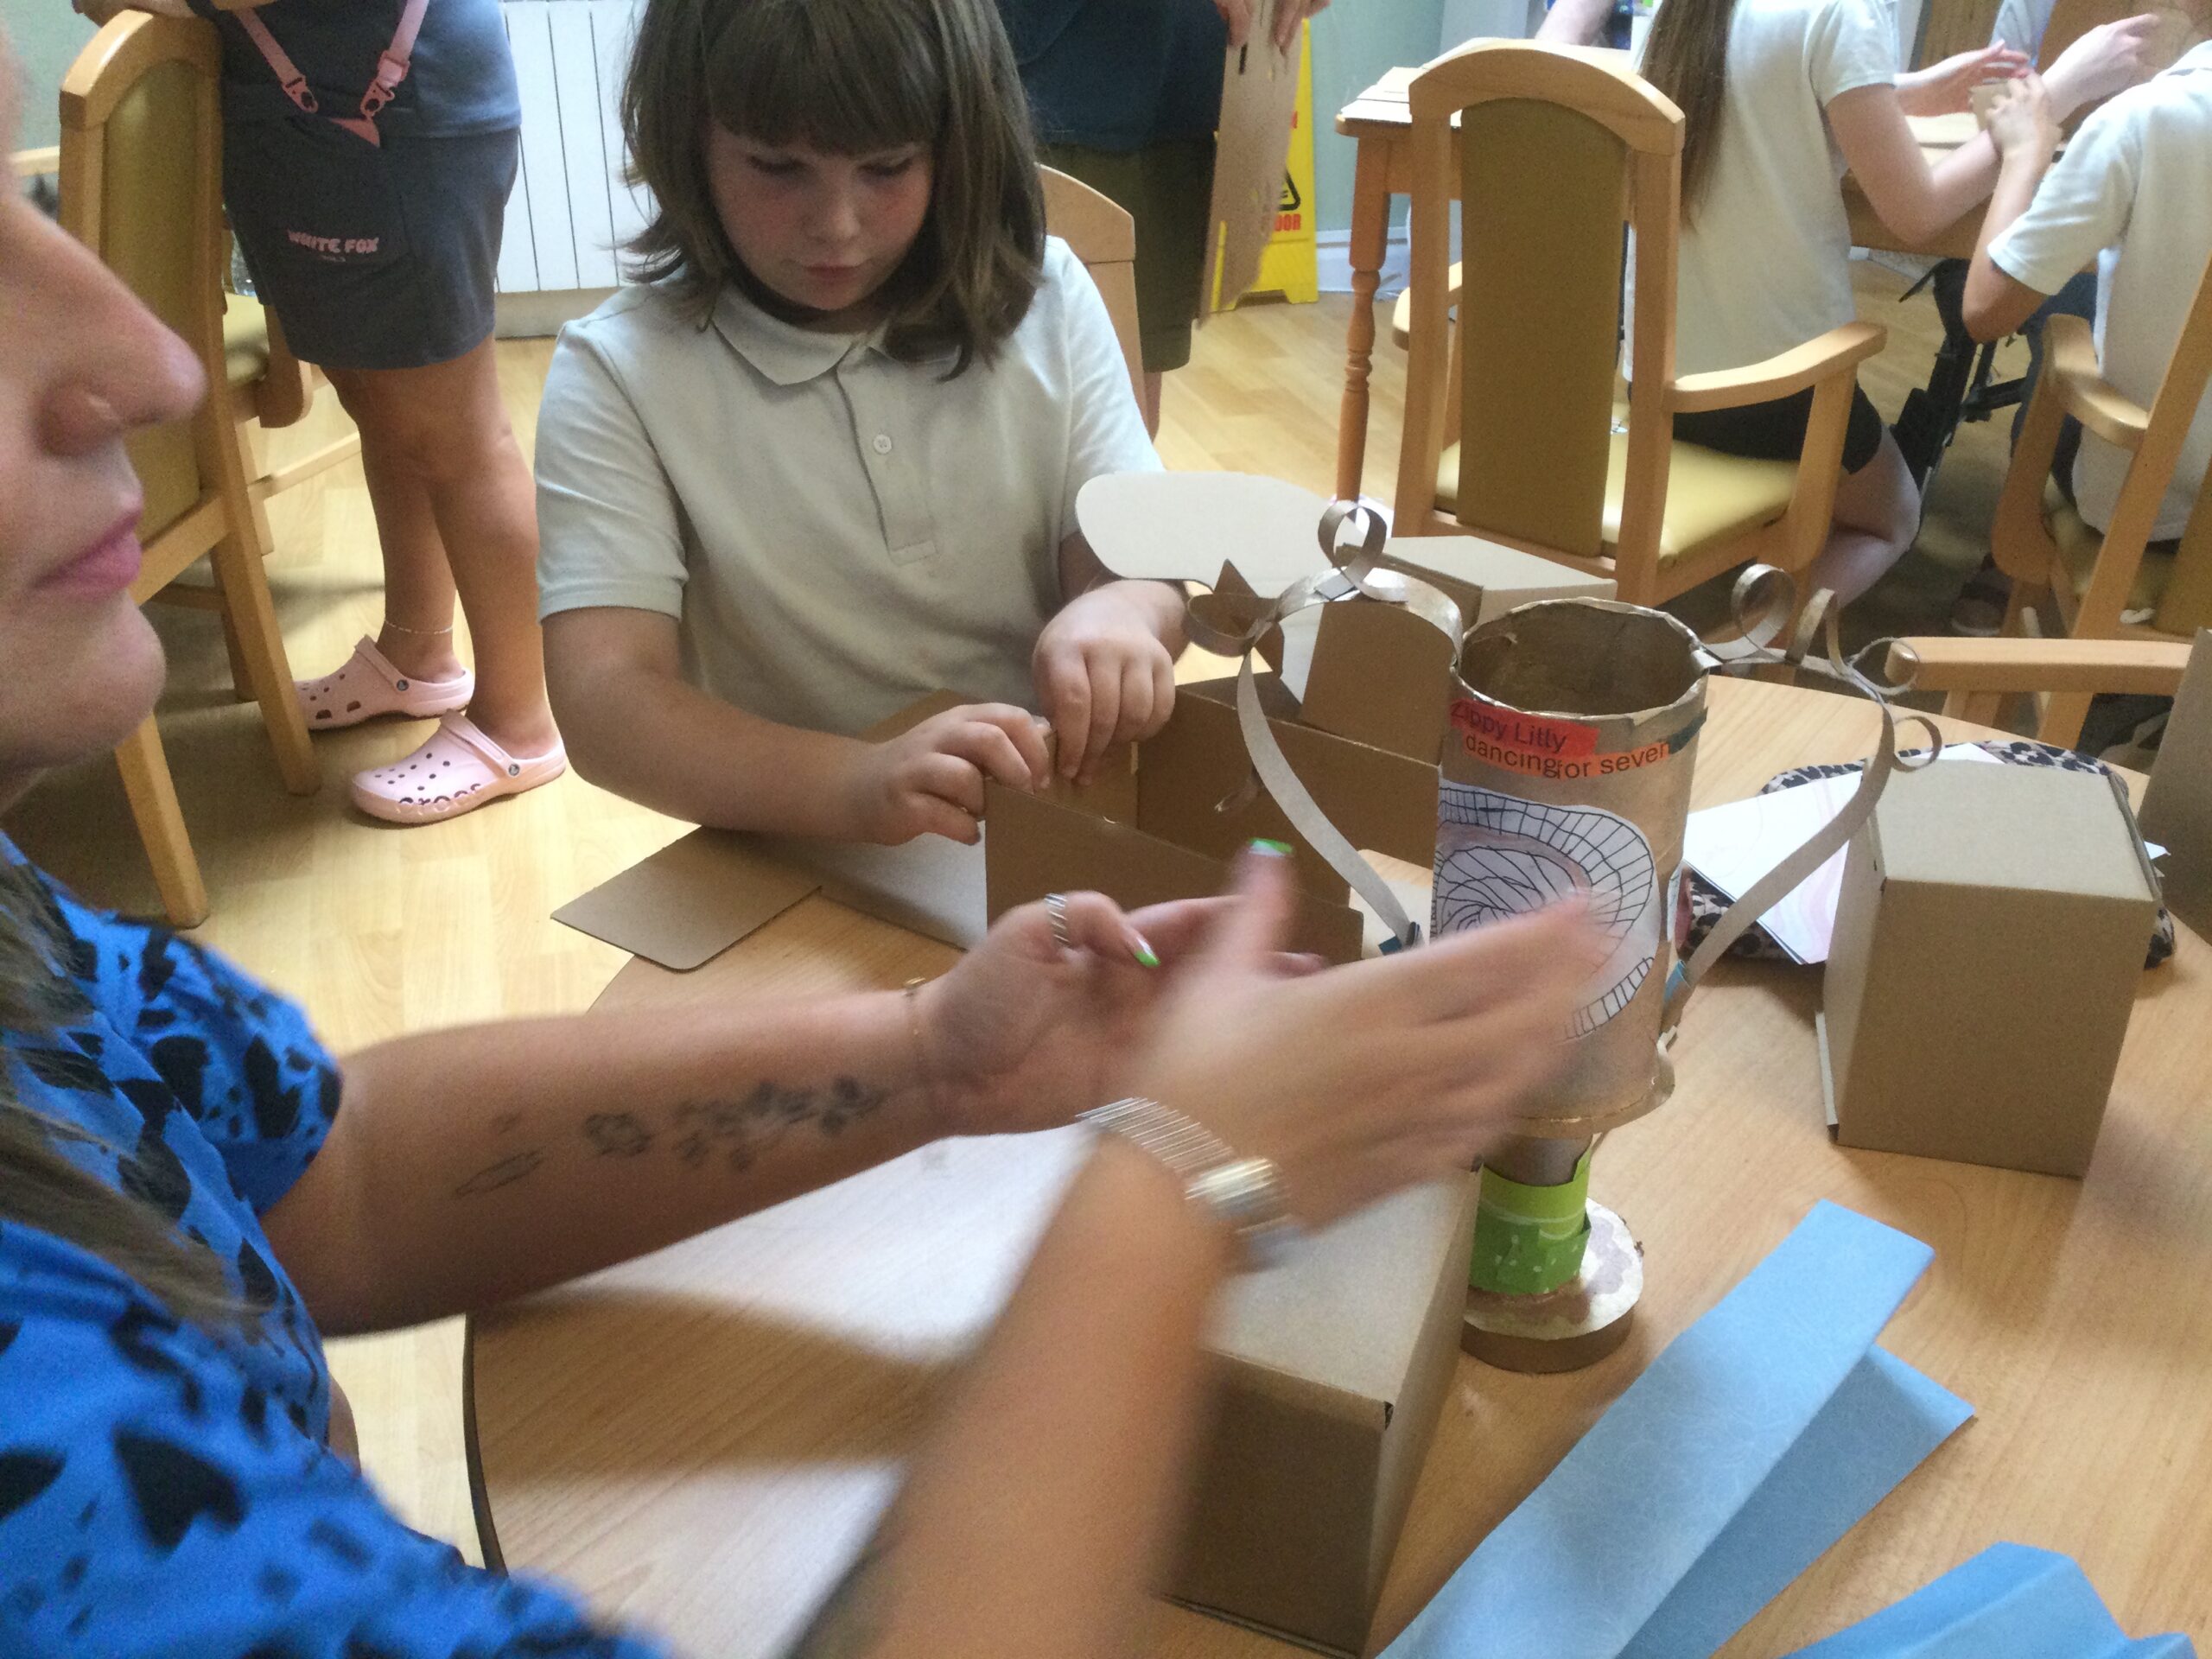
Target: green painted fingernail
1272,848
1146,955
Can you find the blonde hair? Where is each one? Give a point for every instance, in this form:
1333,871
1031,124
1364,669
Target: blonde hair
847,77
43,1187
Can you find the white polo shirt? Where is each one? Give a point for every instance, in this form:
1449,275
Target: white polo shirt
836,533
2133,190
1764,263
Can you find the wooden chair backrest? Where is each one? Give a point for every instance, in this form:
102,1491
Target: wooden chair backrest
140,187
1099,232
1556,153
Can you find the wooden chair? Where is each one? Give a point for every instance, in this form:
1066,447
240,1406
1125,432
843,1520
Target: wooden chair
141,181
1099,232
1555,150
2068,579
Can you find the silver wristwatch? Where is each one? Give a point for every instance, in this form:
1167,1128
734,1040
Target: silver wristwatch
1244,1194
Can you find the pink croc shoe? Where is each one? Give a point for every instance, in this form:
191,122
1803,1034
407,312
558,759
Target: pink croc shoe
458,770
366,685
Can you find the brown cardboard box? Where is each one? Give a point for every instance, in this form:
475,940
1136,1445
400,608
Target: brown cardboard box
1195,807
1988,941
2178,803
1334,1371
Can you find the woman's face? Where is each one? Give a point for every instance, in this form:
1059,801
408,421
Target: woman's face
81,364
822,231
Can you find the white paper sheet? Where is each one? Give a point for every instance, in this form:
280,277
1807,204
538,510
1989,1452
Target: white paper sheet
1734,846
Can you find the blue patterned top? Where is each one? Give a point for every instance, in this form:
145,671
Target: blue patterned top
165,1487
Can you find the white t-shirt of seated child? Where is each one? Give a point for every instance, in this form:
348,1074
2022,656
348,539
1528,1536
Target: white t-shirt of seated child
2134,192
836,533
1763,260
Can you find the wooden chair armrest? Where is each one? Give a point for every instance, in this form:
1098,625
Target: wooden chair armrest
1837,352
2070,363
32,164
2146,667
1401,310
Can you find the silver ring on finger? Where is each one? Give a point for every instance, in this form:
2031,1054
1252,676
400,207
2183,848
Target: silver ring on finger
1056,913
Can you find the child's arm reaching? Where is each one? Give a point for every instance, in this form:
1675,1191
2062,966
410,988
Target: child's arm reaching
633,725
1105,666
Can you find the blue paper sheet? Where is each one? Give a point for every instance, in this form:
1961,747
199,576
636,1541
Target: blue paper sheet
1719,1476
2009,1600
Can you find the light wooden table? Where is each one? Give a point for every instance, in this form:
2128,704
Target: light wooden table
700,1439
1381,126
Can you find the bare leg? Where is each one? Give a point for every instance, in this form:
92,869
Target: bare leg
442,437
1877,516
418,591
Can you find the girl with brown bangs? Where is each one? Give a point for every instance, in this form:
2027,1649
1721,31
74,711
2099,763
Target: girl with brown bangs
823,460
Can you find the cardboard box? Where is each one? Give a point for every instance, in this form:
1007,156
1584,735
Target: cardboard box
1988,941
1334,1371
2177,802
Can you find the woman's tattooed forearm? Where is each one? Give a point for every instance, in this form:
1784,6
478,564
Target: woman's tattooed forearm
733,1131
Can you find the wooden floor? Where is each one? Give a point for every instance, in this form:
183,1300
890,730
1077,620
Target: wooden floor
381,930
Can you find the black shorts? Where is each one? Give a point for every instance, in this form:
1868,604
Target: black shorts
1775,430
372,257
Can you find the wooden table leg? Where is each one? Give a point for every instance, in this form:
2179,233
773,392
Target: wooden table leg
1371,229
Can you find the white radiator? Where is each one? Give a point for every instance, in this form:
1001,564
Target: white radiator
570,211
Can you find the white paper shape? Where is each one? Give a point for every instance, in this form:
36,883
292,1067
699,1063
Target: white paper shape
1180,527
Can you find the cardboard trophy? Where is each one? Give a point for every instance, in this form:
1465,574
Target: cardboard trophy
1573,734
1574,742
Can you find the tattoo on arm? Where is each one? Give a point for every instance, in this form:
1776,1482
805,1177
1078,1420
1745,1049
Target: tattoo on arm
736,1129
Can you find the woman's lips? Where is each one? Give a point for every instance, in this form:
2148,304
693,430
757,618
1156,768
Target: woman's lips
108,566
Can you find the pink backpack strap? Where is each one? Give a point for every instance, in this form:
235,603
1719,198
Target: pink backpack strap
392,68
288,72
392,63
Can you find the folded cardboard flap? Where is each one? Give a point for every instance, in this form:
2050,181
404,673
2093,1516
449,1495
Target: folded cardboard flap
691,901
1040,845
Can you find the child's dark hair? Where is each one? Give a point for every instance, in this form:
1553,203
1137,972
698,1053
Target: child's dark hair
847,78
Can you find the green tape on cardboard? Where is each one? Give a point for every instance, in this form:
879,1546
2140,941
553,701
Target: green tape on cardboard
1529,1239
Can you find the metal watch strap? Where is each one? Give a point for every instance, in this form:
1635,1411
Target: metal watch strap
1244,1194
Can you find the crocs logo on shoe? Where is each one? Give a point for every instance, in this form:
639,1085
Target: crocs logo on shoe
514,771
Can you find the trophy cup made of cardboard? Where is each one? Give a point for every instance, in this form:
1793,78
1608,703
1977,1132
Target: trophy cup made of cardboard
1565,768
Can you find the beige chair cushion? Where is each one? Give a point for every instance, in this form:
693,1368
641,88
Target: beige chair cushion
1711,497
2079,543
246,340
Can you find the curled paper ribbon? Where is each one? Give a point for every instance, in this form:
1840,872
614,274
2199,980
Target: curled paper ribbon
1763,601
1234,627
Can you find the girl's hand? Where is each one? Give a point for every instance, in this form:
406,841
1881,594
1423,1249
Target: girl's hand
1946,88
2109,59
1102,676
2021,124
1024,1034
1361,1080
930,780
